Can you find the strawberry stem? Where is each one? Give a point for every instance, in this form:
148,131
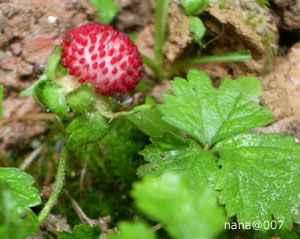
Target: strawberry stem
60,177
227,57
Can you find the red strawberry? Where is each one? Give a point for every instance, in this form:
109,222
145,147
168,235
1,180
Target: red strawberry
103,56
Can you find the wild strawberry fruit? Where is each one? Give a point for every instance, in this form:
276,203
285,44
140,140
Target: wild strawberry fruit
103,56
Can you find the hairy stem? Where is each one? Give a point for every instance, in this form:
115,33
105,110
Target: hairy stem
161,14
60,177
227,57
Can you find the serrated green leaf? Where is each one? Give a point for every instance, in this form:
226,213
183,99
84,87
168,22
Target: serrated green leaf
137,230
22,191
259,177
251,87
107,10
80,232
88,128
150,122
30,90
201,112
54,67
185,157
197,29
13,223
186,213
50,96
1,98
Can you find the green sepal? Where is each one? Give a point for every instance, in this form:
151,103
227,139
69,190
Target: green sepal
30,90
49,95
87,128
107,10
81,99
54,67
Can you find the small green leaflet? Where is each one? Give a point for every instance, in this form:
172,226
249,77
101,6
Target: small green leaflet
194,7
260,177
182,156
193,213
197,29
22,191
1,98
138,230
107,10
80,232
197,109
88,128
251,87
13,223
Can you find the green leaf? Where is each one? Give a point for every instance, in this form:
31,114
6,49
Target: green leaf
259,177
138,230
30,90
80,232
22,191
186,213
50,96
197,109
54,67
197,29
107,10
185,157
150,122
88,128
251,87
81,98
193,7
272,234
1,98
13,223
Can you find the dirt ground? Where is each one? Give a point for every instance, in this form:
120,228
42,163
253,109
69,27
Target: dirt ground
31,29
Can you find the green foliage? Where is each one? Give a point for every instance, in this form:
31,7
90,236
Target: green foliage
81,231
87,128
54,67
256,174
16,197
1,98
15,223
138,230
51,97
197,29
197,109
251,87
107,10
81,99
22,191
30,90
183,156
150,122
194,7
186,213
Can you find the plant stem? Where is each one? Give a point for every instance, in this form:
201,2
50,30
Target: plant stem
153,66
227,57
161,14
60,177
